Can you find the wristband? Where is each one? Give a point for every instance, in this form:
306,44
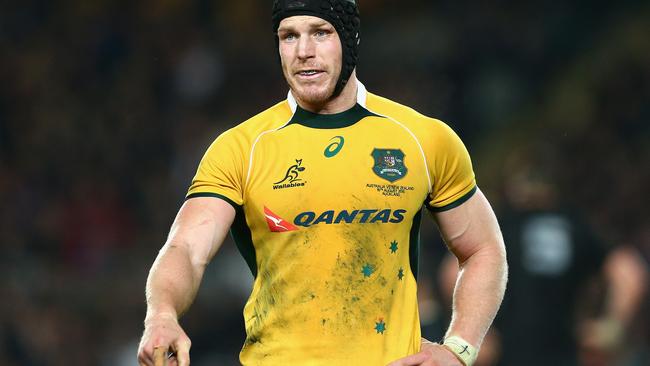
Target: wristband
463,350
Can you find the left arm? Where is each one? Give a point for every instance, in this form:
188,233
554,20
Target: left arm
472,233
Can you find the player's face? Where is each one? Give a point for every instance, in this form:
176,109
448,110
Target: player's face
311,56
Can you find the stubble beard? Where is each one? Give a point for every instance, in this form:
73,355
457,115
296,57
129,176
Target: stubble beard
313,94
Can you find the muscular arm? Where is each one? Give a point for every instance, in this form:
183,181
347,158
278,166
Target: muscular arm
472,233
195,236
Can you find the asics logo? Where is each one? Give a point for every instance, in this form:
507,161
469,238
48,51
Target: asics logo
332,149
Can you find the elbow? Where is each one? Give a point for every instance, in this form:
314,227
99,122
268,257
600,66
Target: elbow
500,260
490,257
492,251
183,253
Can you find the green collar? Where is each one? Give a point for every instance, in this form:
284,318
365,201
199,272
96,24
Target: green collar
328,121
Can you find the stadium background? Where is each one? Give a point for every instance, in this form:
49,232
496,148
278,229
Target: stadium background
106,107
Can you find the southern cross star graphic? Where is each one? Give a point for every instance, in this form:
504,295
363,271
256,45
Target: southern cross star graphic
367,270
380,326
393,246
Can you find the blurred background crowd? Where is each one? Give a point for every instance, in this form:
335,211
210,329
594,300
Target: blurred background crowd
106,106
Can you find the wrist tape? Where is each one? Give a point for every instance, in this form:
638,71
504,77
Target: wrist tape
465,352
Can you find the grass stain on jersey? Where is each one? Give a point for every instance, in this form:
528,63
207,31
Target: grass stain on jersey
358,282
270,295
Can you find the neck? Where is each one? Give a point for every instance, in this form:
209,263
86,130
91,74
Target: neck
341,103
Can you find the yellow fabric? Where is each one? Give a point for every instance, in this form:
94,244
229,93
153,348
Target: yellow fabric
450,166
338,287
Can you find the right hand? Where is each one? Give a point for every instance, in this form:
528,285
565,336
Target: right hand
431,354
163,331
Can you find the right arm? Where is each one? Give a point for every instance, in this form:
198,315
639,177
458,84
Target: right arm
197,233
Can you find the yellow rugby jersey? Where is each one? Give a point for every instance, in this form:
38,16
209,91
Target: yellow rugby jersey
328,212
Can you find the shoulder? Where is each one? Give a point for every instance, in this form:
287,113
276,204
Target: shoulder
386,107
245,133
422,126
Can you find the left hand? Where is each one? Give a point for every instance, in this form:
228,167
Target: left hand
431,354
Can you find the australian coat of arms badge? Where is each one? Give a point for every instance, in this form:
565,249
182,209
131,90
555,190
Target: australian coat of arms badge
389,164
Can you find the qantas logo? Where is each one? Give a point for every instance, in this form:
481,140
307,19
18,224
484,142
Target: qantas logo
276,223
309,218
366,216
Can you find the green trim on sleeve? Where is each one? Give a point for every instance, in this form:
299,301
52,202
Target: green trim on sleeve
454,204
243,237
215,195
414,244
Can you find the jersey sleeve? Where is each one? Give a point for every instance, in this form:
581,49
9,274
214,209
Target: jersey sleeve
221,171
454,181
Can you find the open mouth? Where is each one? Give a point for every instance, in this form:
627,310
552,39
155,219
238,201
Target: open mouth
308,73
